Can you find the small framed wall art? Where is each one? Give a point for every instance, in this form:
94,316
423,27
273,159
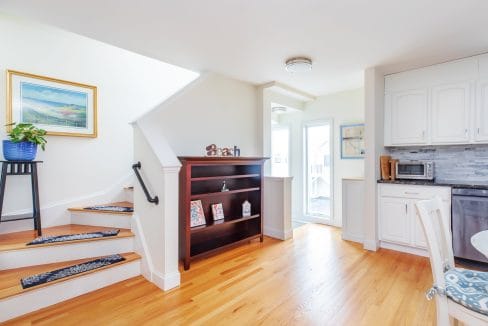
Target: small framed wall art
60,107
197,217
352,141
218,211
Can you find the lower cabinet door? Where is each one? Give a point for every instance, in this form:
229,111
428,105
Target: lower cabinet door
395,220
418,232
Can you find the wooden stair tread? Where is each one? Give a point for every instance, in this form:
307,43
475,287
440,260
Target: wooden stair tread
121,203
19,240
10,279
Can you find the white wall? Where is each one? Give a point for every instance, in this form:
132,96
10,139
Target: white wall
128,84
213,110
343,108
374,94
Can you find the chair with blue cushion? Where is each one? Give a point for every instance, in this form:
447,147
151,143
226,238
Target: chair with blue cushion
460,294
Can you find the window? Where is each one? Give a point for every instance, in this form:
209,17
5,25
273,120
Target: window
280,152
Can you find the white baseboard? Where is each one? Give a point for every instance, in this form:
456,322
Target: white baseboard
140,247
370,245
39,255
278,234
350,237
406,249
29,301
167,281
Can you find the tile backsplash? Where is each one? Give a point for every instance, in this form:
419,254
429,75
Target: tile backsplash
452,163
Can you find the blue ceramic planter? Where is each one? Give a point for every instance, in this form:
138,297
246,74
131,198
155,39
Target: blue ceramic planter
23,151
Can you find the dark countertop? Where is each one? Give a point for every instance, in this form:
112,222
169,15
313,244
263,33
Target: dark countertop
443,183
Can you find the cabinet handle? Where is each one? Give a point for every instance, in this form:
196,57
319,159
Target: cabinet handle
478,131
423,134
410,193
466,131
406,209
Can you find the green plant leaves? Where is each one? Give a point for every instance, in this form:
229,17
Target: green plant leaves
27,132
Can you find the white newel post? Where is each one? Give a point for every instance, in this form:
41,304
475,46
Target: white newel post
171,228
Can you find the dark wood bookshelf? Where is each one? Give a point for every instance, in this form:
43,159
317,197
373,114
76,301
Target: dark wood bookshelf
226,177
224,193
201,179
222,222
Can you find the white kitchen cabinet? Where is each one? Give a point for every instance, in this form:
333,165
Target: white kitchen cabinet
399,224
451,109
438,105
407,113
419,240
481,120
395,227
353,210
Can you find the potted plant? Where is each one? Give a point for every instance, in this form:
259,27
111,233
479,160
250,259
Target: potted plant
24,138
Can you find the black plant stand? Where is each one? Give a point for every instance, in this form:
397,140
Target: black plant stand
22,168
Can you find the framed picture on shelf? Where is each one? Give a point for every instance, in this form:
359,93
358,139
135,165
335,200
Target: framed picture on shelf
197,217
60,107
352,141
218,211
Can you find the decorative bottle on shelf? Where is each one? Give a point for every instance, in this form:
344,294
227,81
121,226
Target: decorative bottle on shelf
246,208
224,187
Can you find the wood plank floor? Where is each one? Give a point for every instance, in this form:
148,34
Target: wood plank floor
315,279
19,240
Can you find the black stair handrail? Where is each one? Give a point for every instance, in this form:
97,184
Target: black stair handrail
136,168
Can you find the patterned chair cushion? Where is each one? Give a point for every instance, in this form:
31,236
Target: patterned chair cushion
468,288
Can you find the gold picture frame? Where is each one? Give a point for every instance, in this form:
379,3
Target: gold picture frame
61,107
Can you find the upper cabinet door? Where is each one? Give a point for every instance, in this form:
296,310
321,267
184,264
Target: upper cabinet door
407,117
451,107
481,121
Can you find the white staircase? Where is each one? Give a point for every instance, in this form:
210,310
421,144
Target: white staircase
17,260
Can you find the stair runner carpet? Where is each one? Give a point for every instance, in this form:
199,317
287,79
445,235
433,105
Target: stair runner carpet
111,208
37,279
74,237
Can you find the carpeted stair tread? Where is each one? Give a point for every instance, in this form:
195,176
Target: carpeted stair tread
10,279
19,240
124,204
73,237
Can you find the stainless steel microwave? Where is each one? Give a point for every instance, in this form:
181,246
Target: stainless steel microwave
417,170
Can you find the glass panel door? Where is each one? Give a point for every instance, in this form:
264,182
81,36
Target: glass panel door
318,185
280,152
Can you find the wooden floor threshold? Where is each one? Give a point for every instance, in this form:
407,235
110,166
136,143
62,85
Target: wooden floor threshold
19,240
10,279
96,211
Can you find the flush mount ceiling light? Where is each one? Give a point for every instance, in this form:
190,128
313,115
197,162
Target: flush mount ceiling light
278,109
298,64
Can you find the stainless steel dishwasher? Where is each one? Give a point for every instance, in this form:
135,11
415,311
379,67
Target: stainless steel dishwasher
469,216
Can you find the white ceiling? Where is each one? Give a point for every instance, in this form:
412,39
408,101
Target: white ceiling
250,39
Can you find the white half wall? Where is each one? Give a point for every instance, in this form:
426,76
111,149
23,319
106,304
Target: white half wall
157,227
128,85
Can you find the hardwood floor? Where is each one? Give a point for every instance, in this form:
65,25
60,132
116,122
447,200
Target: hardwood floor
315,279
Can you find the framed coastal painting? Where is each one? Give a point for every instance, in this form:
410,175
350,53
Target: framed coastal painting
352,141
60,107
